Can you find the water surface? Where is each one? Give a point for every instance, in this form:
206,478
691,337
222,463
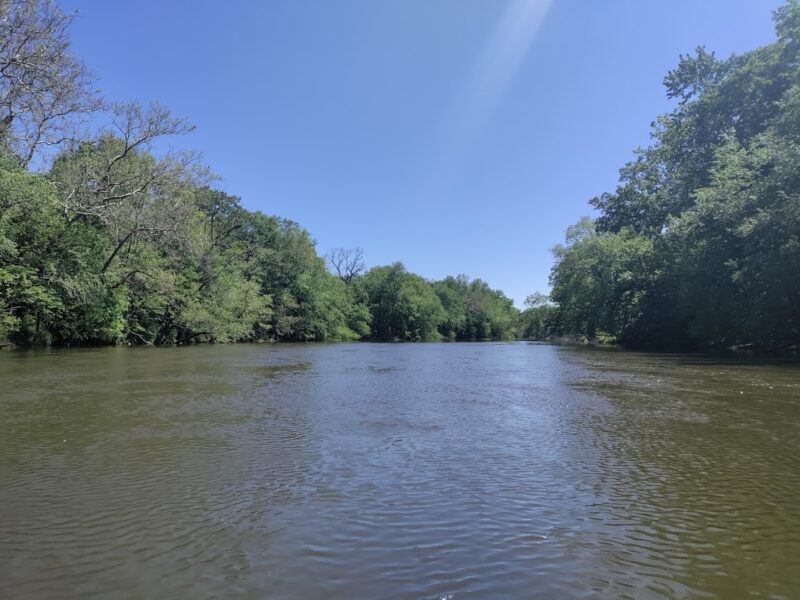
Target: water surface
397,471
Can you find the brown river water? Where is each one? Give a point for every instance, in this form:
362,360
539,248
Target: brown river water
397,471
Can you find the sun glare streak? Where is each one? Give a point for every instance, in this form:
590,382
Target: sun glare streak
484,88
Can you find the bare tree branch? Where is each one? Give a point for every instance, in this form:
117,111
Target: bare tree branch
118,181
348,263
44,90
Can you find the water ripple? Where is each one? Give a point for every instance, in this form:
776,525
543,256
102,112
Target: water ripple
384,471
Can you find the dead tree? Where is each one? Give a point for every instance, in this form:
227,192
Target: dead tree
348,263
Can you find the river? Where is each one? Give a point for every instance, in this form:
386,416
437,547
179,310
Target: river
397,471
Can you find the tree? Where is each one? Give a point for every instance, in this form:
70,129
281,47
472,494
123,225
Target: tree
348,263
601,281
540,319
453,294
117,182
403,306
50,288
474,311
698,247
44,89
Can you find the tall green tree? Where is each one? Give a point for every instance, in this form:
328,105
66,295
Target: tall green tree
404,307
475,311
698,246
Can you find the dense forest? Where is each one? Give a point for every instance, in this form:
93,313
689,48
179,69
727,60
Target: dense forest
699,246
105,239
109,236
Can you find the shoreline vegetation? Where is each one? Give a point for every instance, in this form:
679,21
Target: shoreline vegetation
699,246
106,237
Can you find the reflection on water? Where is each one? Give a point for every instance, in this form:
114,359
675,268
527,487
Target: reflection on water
397,471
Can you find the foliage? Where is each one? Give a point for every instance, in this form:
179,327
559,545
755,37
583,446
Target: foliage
474,311
142,254
540,320
403,306
699,246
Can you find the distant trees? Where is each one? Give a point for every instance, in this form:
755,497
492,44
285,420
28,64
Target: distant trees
403,306
699,246
540,320
474,311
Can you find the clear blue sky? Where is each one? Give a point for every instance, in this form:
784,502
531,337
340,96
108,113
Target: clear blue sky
459,136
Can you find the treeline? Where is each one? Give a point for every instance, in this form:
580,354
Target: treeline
104,240
106,237
699,246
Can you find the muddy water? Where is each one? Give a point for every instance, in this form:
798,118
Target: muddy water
397,471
